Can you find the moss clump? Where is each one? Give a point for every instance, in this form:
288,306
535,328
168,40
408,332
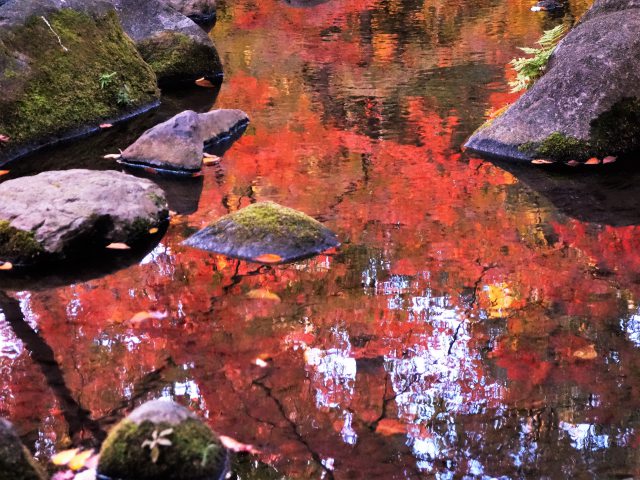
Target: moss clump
558,146
618,130
177,58
17,245
195,452
16,463
61,91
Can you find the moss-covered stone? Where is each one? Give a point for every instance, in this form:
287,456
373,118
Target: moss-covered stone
558,146
60,89
177,58
195,452
618,130
17,245
16,463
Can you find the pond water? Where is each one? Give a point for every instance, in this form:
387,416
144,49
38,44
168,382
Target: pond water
479,320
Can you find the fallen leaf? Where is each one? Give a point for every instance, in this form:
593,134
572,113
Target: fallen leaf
4,172
388,427
592,161
4,138
153,230
118,246
6,266
140,317
197,174
586,353
112,156
609,159
261,363
64,457
573,163
542,161
105,125
150,170
268,258
263,294
203,82
211,160
77,463
236,446
210,155
172,213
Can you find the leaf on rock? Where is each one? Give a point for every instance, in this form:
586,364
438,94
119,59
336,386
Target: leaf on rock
118,246
268,258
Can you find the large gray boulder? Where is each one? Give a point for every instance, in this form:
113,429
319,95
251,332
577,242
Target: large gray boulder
178,144
53,54
177,49
16,463
202,12
587,103
60,213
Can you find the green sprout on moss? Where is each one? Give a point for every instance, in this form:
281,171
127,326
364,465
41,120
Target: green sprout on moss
123,97
157,440
529,69
106,79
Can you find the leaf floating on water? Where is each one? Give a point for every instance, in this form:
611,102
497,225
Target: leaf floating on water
203,82
268,258
388,427
542,161
4,172
112,156
105,125
6,266
118,246
143,316
263,294
236,446
609,159
593,161
586,353
210,159
64,457
153,230
4,138
78,462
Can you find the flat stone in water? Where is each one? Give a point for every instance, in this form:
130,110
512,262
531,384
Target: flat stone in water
265,232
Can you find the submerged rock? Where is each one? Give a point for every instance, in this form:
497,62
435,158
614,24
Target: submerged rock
588,102
202,12
65,67
177,49
16,463
265,232
62,213
162,439
178,144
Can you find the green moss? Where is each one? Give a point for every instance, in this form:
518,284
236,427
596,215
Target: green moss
175,57
558,146
61,91
17,245
618,130
16,462
194,454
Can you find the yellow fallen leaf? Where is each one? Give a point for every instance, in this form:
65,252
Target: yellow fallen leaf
118,246
6,266
593,161
203,82
153,230
64,457
263,294
112,156
586,353
268,258
79,460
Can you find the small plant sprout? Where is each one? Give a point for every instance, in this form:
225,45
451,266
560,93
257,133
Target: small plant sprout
156,441
123,97
106,79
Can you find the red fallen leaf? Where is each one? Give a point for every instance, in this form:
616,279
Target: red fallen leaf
609,159
388,427
586,353
105,125
236,446
542,161
4,138
592,161
140,317
3,172
573,163
203,82
268,258
118,246
6,266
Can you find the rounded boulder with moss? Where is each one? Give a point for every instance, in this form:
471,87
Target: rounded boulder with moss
265,232
162,439
60,214
16,463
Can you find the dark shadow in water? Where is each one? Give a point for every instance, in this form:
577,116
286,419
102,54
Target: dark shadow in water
78,418
603,194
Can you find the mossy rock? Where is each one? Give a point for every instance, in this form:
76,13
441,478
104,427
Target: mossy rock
50,73
191,450
178,58
265,232
16,463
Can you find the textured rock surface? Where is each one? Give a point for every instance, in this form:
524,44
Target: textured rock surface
200,11
43,97
16,462
191,451
178,143
588,102
59,212
177,49
267,233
